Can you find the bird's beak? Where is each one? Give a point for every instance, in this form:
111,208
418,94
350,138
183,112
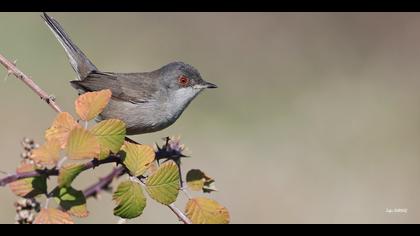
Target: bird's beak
210,85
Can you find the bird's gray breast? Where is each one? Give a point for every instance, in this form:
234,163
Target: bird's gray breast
150,116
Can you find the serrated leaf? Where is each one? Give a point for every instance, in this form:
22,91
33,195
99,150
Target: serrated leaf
82,145
203,210
68,173
29,187
52,216
163,185
197,180
91,104
130,200
72,201
60,129
110,135
47,154
138,157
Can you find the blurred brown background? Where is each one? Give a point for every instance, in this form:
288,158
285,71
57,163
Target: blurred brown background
316,119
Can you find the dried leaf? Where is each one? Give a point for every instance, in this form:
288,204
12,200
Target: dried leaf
47,154
202,210
60,129
91,104
52,216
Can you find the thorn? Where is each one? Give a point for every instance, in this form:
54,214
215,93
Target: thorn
158,148
14,62
52,97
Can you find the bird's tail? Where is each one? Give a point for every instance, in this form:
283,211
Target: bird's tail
78,60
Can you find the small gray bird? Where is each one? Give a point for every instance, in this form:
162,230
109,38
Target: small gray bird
147,101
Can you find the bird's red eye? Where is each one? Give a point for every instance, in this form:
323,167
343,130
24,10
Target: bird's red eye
183,80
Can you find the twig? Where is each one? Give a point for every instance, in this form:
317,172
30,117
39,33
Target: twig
103,183
54,171
12,69
186,193
182,217
17,176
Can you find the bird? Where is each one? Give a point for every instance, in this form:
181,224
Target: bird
145,101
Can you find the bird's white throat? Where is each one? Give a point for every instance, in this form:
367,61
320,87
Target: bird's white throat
180,100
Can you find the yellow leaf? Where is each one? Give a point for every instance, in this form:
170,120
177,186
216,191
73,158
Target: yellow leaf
82,145
53,216
203,210
91,104
47,154
138,157
110,134
60,129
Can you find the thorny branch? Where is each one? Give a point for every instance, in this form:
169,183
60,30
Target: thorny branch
54,171
104,182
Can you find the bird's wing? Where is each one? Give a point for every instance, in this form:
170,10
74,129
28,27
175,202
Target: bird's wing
130,87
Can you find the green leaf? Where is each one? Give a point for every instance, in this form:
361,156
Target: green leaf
130,200
202,210
29,187
52,216
137,158
163,185
110,135
82,145
197,180
72,201
68,173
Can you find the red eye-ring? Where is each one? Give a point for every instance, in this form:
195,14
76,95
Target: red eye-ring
183,80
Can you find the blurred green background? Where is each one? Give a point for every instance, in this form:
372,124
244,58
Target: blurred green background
316,119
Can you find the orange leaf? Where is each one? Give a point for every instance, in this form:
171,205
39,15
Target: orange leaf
203,210
28,187
47,154
60,129
91,104
82,145
53,216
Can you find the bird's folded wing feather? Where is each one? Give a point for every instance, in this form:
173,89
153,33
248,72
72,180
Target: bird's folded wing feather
130,87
